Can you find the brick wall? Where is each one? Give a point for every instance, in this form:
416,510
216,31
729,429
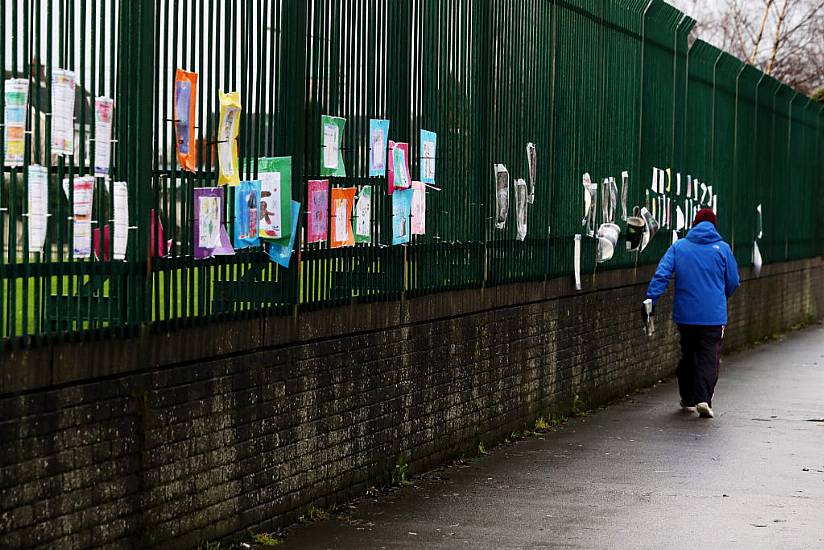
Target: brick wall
171,449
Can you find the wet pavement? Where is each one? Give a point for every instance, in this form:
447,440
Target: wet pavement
637,474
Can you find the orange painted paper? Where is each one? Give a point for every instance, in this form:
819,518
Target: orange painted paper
343,200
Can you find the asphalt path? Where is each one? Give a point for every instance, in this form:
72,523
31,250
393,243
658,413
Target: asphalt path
639,473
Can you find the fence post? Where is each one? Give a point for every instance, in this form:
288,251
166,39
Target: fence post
135,117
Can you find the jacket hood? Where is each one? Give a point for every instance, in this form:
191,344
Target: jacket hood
703,233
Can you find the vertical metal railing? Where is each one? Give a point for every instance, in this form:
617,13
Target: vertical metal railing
598,86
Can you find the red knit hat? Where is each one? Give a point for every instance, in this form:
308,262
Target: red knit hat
705,215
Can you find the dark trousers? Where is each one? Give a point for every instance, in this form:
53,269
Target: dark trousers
698,369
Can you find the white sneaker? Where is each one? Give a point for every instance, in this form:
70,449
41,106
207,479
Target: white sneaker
685,407
704,410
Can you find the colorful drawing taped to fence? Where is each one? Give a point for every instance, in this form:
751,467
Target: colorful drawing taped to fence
532,165
247,217
185,109
275,174
120,192
38,206
521,204
501,195
280,251
16,98
363,215
82,202
341,233
331,137
398,167
378,140
210,231
62,104
418,214
429,142
103,116
401,212
227,138
317,211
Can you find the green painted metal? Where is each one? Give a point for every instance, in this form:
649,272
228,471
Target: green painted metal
600,86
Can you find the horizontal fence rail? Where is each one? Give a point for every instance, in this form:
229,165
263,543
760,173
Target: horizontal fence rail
103,192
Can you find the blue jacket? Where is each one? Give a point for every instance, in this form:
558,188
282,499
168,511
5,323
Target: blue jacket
705,276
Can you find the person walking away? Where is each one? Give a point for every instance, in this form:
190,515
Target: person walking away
706,275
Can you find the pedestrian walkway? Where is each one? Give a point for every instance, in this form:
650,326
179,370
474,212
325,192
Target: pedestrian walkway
638,474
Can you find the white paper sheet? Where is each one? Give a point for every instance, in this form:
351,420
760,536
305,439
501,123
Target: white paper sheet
363,214
678,184
331,145
341,227
271,224
378,149
577,262
38,207
81,243
624,194
209,222
225,142
121,219
103,111
759,222
62,131
680,221
757,261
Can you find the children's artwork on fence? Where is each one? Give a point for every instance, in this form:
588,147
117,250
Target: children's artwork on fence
16,99
669,179
680,219
678,184
363,215
398,167
343,199
38,206
227,138
378,140
576,259
590,204
501,195
247,214
211,235
331,155
120,196
651,228
609,199
521,205
318,211
429,142
185,109
624,194
757,261
82,213
759,228
532,165
418,214
275,175
280,251
401,212
103,111
62,104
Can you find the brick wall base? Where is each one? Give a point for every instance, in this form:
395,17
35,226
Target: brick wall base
170,455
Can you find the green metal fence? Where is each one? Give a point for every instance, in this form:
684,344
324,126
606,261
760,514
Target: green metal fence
599,86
